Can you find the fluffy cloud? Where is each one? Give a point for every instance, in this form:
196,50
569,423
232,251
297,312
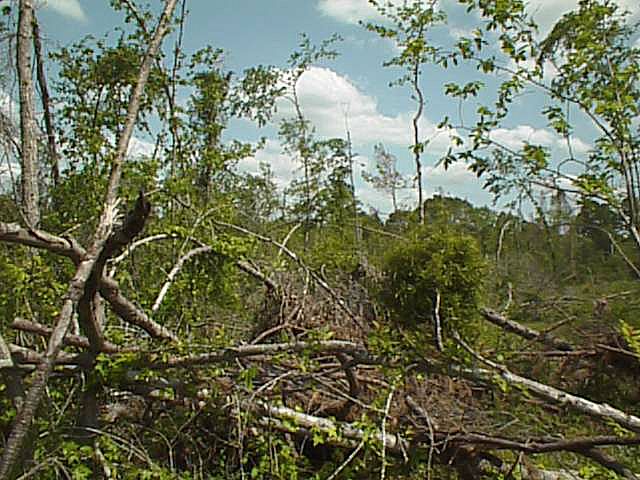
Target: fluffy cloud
140,148
68,8
457,175
353,11
327,98
514,138
282,166
348,11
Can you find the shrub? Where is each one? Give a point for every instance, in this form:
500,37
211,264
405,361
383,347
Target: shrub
431,262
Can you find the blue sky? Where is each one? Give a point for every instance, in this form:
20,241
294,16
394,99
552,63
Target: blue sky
355,84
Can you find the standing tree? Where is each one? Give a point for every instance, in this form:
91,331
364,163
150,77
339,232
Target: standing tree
325,162
107,237
388,179
410,24
28,130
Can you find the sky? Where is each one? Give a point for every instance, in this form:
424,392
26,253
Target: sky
354,86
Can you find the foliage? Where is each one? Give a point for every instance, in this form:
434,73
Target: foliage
255,288
432,264
410,23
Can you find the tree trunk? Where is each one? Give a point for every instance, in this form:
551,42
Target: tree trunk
46,104
29,159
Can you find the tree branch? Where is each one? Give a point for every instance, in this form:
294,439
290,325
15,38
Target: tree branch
525,332
86,266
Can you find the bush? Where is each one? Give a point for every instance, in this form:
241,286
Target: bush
431,262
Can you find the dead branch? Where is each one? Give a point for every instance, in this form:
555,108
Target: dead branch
554,395
69,339
109,289
525,332
244,351
130,313
76,288
273,416
46,103
5,355
25,356
90,311
292,255
174,273
254,272
14,233
138,243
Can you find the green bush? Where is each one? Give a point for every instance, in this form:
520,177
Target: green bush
433,262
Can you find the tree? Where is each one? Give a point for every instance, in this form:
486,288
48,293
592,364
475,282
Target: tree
298,135
596,82
411,22
387,178
434,278
28,130
186,340
84,283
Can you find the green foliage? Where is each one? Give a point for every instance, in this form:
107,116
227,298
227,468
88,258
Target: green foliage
561,272
409,24
631,336
434,263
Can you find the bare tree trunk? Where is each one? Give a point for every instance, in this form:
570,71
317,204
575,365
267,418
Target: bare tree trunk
78,284
352,184
29,158
46,104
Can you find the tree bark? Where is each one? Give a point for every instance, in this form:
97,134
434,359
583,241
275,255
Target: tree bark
76,289
29,143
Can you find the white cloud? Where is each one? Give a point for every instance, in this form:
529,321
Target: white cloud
327,97
282,166
68,8
348,11
353,11
140,148
515,138
456,175
578,146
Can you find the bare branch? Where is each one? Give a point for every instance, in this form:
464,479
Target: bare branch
174,273
77,285
5,355
14,233
46,103
317,278
69,339
554,395
130,313
526,332
244,351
